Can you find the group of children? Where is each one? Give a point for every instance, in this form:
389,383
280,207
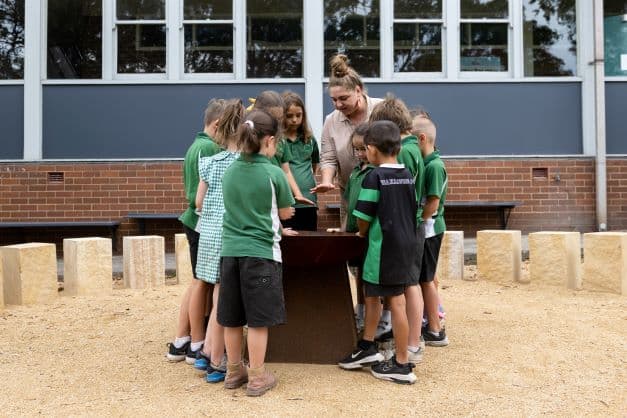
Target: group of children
395,197
248,180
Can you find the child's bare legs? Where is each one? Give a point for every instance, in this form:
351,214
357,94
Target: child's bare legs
371,320
182,326
197,307
400,327
233,343
257,343
215,336
414,309
430,294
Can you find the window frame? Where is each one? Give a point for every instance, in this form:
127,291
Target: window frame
116,22
181,42
405,75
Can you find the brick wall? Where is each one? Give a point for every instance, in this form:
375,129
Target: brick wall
563,199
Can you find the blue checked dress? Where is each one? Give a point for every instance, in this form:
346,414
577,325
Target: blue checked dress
211,170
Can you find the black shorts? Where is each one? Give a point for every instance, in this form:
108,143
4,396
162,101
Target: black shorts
251,292
192,238
430,258
376,290
420,249
304,219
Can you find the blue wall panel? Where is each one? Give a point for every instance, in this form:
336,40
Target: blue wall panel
496,118
132,121
12,122
615,113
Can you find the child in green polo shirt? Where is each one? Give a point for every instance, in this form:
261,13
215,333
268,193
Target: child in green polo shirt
256,197
302,146
386,214
395,110
185,346
272,102
433,218
351,195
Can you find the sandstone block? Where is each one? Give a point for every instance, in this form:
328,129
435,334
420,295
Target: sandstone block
499,255
555,258
87,266
605,261
30,273
144,261
451,260
184,272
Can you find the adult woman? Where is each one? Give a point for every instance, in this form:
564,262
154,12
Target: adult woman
352,107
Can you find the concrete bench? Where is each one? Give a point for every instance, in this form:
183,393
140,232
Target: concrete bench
503,208
112,226
142,217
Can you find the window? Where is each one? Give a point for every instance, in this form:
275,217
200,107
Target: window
615,28
141,36
549,38
418,35
208,36
352,27
74,39
11,39
484,35
274,38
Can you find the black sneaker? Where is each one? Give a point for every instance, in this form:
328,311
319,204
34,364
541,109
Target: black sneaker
435,339
361,357
394,372
177,354
190,356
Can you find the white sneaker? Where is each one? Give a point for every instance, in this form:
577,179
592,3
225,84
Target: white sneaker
415,357
384,330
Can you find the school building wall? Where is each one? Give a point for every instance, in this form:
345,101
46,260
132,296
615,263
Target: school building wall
489,134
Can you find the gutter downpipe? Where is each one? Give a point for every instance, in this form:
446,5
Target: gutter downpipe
599,107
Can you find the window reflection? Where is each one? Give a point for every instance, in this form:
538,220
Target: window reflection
352,27
141,48
423,9
274,38
417,47
615,27
549,38
74,39
488,9
483,47
208,48
11,39
140,9
204,9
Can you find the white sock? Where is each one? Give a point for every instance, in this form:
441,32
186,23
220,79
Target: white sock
197,345
413,349
180,341
386,316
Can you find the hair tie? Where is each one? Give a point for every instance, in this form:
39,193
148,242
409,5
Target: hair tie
250,123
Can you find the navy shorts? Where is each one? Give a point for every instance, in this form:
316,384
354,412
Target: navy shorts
251,292
420,249
430,258
377,290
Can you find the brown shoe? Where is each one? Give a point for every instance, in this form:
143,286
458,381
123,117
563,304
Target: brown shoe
236,376
260,381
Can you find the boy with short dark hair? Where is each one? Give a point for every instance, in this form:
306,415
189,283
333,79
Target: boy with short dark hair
386,213
436,181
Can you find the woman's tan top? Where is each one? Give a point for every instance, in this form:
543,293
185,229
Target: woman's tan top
336,149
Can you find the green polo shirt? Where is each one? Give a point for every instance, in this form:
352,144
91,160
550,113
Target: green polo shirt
436,184
282,154
304,156
253,190
203,146
411,157
351,194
